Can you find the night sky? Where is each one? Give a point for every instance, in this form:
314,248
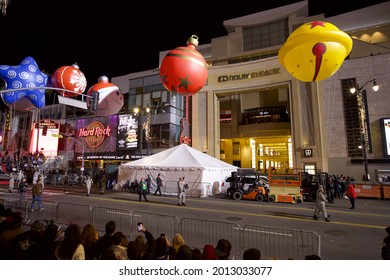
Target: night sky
118,37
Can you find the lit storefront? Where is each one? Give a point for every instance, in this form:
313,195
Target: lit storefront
101,141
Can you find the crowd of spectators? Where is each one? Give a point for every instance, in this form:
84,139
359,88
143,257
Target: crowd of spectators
44,241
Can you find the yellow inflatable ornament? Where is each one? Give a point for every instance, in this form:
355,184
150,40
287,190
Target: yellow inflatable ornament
315,51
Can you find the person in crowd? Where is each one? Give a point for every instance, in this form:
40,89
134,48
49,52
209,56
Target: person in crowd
135,251
181,192
251,254
135,185
118,249
106,240
196,254
142,190
312,257
162,246
11,182
48,245
70,248
2,212
5,218
184,252
89,237
385,250
37,191
13,226
114,253
177,242
148,183
159,183
320,204
343,186
26,246
351,194
337,187
103,184
35,176
208,252
148,247
88,184
329,189
222,250
22,190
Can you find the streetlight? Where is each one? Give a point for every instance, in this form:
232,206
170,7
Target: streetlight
146,127
364,119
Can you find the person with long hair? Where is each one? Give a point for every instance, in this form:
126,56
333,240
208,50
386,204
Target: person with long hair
89,237
70,248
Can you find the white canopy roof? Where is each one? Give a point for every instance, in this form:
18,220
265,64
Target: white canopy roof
181,157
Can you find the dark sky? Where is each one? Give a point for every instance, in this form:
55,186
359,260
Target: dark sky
118,37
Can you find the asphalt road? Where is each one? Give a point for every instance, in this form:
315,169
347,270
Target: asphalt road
351,235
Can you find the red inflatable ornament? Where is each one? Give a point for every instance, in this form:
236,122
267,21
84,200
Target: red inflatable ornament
70,78
184,69
110,97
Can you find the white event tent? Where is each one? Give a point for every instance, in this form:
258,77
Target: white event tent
203,173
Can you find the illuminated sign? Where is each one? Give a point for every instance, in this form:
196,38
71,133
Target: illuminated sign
127,136
308,152
385,124
95,134
251,75
49,124
7,129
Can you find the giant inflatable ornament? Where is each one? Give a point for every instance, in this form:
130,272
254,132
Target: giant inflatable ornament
24,75
184,70
70,78
315,51
110,97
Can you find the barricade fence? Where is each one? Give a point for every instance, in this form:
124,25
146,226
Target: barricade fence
273,243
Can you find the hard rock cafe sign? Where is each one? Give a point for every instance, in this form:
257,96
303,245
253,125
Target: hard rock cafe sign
95,134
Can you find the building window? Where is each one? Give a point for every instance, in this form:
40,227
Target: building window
236,148
266,35
351,115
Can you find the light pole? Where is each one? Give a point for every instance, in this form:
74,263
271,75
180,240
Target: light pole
364,120
146,128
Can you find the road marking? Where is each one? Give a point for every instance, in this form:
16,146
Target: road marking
309,219
263,231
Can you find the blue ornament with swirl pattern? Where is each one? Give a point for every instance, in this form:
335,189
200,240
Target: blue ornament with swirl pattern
24,75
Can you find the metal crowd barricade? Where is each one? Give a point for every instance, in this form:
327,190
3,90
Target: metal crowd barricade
155,223
272,242
49,212
198,233
68,213
11,200
281,243
122,218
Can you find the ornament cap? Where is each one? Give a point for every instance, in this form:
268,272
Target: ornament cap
193,40
103,79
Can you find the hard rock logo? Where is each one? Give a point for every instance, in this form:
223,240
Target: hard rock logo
95,134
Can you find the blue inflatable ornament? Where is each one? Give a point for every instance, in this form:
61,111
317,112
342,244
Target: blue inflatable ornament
24,75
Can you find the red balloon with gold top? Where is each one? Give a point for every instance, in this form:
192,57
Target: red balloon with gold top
70,78
110,97
184,69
